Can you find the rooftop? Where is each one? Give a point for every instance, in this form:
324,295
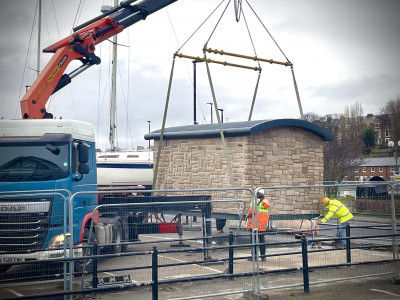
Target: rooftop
238,129
379,162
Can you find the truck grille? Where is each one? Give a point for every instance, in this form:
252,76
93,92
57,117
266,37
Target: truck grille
24,223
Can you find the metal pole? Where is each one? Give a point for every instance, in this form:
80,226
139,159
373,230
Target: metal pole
39,29
396,276
194,92
297,95
211,112
306,280
149,132
113,107
348,251
230,268
155,273
155,173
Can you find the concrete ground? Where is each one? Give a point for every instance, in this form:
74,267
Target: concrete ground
377,288
366,289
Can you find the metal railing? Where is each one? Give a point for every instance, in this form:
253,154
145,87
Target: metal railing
198,253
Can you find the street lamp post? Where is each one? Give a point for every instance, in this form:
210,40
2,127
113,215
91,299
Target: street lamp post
194,90
396,276
149,132
211,112
391,144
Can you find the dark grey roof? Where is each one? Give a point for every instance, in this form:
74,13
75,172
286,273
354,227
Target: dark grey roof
237,129
379,162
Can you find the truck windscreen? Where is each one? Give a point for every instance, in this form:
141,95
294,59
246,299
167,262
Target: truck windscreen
34,161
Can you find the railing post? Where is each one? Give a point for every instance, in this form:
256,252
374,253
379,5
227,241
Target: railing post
348,251
230,268
94,275
154,273
396,275
304,253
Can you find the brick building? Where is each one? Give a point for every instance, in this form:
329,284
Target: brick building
381,125
283,152
383,167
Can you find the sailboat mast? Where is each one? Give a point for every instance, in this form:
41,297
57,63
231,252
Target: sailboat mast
39,29
113,107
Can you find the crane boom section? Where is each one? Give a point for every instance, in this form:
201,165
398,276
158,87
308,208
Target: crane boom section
81,46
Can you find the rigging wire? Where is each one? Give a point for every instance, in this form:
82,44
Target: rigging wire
251,38
51,100
124,97
77,15
268,32
259,72
291,68
198,28
128,131
186,67
26,60
54,12
216,25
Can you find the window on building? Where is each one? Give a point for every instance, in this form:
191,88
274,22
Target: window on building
392,168
380,169
387,140
377,125
364,169
356,170
372,169
387,132
379,141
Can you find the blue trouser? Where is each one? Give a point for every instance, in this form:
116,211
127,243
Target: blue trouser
342,232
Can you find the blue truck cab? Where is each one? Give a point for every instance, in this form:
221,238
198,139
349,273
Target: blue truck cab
39,155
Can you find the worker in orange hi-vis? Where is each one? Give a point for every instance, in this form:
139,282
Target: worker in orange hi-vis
262,220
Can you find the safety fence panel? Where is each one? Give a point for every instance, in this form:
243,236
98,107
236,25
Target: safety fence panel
371,237
187,229
370,199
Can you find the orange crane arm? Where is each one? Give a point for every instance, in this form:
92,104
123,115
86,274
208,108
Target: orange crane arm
81,46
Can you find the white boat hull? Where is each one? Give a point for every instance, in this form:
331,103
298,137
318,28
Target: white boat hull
125,169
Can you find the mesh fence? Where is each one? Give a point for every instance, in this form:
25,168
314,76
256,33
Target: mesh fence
195,243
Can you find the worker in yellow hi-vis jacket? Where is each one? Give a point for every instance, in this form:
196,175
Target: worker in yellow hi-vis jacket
341,212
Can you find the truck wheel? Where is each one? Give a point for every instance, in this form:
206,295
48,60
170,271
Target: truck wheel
86,265
118,248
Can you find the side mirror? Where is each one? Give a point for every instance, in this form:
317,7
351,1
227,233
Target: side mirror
83,168
83,150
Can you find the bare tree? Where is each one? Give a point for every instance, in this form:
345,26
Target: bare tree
346,152
391,112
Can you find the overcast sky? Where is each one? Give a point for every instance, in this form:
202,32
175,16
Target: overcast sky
342,51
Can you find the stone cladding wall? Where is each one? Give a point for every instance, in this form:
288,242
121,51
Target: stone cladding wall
284,156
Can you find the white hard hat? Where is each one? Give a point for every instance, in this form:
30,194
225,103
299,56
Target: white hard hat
260,193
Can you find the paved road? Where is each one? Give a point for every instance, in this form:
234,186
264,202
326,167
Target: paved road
365,289
379,288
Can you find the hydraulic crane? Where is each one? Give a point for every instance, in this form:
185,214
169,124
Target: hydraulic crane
81,46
